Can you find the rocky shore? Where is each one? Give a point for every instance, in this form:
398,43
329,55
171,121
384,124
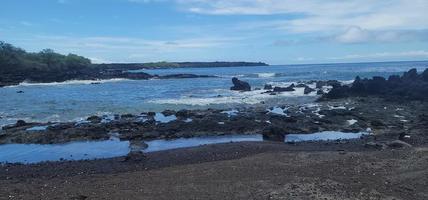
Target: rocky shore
370,112
409,86
383,118
87,74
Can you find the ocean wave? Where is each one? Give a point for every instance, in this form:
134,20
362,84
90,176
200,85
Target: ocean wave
254,75
347,82
70,82
233,97
266,75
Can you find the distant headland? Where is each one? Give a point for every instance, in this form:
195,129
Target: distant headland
17,65
160,65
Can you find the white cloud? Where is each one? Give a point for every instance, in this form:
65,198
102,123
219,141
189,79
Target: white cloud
351,20
359,35
421,54
354,35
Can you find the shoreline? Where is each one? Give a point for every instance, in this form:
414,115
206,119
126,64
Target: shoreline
350,166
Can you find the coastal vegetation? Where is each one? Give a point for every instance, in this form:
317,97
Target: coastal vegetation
17,65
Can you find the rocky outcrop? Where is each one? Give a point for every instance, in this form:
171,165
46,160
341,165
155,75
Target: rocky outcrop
284,89
333,83
334,115
268,87
308,90
239,85
410,86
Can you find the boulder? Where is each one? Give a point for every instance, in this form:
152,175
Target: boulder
411,75
94,119
268,87
284,89
273,133
308,90
377,123
424,75
239,85
20,123
301,85
398,144
320,92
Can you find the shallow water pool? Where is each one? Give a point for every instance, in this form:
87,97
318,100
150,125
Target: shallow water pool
160,145
323,136
34,153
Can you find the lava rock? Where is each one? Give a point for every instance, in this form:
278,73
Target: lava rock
273,133
20,123
94,119
308,90
268,87
284,89
239,85
398,144
410,86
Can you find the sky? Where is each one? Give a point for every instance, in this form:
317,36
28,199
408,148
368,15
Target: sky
272,31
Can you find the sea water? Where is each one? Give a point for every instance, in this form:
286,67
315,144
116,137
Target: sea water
76,100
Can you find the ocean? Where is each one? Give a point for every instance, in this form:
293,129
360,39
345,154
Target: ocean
76,100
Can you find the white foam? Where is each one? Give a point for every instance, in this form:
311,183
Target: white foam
352,122
107,118
326,89
232,97
278,111
37,128
159,117
348,82
316,112
188,120
70,82
231,113
266,75
337,107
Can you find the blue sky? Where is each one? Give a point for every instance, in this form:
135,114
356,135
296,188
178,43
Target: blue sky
273,31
